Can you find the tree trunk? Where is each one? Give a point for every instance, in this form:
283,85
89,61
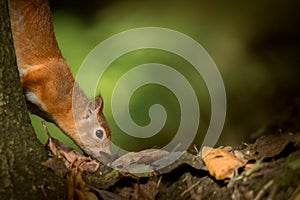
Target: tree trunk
21,174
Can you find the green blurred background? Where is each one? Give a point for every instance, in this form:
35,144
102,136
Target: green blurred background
255,45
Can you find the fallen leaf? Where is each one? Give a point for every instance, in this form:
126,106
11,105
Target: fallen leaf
272,145
146,191
139,163
68,156
105,195
57,165
154,161
220,163
77,188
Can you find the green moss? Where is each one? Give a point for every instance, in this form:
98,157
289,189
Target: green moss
293,162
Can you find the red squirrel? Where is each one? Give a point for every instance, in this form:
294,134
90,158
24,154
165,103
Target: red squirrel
48,82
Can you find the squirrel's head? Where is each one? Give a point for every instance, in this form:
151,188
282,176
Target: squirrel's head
93,130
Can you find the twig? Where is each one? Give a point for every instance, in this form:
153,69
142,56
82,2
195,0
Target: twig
185,178
189,189
254,168
295,193
176,147
159,180
273,193
46,129
196,149
263,190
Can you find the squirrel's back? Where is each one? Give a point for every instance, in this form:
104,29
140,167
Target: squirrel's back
33,34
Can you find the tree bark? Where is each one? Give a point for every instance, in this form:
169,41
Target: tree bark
21,174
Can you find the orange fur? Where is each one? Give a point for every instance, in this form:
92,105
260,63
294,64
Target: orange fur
47,79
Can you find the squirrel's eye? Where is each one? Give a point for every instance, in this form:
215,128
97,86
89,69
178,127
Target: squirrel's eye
99,133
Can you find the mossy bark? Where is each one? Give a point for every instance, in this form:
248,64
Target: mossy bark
21,174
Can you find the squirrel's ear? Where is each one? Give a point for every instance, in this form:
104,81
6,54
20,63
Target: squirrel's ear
97,103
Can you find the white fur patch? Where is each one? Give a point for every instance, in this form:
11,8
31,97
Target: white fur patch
26,68
30,96
21,72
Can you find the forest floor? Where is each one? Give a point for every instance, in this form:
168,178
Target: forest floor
270,170
275,173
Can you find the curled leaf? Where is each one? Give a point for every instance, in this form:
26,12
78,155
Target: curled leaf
220,163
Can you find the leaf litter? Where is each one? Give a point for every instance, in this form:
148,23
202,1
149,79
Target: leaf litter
142,175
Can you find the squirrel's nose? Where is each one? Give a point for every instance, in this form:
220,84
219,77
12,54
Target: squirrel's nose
105,157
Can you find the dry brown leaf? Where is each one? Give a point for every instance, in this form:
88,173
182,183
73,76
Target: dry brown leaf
77,188
220,163
106,195
68,156
149,162
139,162
269,146
70,163
147,191
57,165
